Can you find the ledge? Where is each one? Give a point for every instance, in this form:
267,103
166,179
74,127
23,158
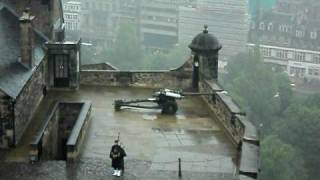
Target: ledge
243,177
37,138
251,133
249,160
73,138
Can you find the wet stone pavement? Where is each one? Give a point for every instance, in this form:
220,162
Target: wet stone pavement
153,141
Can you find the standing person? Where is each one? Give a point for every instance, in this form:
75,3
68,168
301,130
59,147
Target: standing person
117,155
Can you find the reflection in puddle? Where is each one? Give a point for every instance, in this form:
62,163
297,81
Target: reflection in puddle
149,117
181,117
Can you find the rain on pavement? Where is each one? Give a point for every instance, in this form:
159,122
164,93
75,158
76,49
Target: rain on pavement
153,141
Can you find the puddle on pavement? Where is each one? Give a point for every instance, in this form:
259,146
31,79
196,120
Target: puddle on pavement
181,117
149,117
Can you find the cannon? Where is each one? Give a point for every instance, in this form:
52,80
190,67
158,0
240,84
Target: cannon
164,99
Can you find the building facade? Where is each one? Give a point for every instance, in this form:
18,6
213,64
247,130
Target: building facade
159,23
96,22
23,61
289,37
72,17
228,20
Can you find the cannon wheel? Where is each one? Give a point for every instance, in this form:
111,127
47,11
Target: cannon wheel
117,105
169,107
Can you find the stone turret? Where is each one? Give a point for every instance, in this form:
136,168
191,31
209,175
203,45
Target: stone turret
206,46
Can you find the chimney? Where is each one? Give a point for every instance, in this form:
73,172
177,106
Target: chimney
26,39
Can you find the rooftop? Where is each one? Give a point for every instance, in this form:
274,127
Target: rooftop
13,75
153,141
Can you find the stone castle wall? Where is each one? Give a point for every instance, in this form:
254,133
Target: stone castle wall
28,101
5,120
177,78
242,132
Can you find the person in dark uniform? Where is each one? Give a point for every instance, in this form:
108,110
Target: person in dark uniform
117,155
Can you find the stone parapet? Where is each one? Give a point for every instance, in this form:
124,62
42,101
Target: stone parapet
176,78
78,133
241,131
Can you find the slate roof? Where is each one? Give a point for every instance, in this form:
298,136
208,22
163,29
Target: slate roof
13,75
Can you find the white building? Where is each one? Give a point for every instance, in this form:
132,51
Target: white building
72,16
158,21
298,63
228,20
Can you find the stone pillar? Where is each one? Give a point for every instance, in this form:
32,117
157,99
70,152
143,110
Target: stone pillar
26,39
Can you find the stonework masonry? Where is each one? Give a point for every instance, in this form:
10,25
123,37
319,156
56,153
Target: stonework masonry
5,119
28,101
177,78
47,12
242,132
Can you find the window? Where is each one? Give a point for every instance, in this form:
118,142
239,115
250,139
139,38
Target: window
300,33
261,26
284,28
316,58
314,72
282,54
300,56
297,71
270,27
266,52
313,35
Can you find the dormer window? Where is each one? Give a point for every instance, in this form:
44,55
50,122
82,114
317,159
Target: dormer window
313,35
270,27
262,26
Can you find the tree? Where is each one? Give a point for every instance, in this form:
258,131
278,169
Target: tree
284,90
252,84
300,127
174,59
280,161
126,53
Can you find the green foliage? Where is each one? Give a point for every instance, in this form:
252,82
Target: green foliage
285,91
126,53
253,85
280,161
300,127
290,124
174,59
